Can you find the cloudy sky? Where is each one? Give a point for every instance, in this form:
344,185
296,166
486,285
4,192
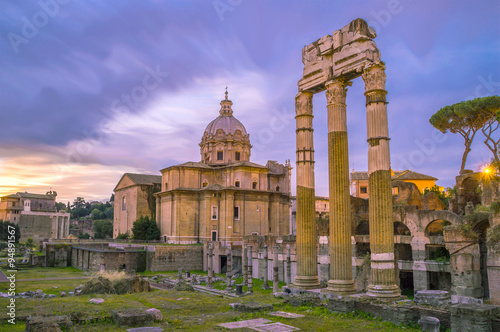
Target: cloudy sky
92,89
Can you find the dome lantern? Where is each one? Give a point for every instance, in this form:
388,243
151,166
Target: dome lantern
225,139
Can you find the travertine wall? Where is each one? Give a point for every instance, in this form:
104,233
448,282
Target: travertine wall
171,258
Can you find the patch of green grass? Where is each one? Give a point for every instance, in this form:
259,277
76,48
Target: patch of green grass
48,272
183,311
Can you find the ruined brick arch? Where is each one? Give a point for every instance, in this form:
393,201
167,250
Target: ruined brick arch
430,217
480,227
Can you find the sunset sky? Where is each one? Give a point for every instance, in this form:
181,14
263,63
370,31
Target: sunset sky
92,89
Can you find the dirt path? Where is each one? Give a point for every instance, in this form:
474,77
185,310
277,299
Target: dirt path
3,277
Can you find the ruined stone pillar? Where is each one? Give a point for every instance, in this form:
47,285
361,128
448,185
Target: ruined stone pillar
288,266
265,284
179,275
275,270
229,270
383,281
250,272
245,264
341,281
210,266
307,273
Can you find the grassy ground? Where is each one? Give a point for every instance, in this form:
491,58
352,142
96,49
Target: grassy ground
47,272
182,311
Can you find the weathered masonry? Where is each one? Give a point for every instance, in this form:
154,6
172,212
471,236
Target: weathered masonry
330,63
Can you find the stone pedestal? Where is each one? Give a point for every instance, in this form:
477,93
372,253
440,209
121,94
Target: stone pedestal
473,317
435,298
429,324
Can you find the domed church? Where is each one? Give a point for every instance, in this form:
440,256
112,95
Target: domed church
224,196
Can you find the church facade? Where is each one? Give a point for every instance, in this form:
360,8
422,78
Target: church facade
224,196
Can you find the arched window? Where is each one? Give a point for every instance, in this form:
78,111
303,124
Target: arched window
124,203
205,184
237,184
254,185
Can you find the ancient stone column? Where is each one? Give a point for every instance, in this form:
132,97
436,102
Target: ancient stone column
245,264
210,266
250,272
229,269
288,266
340,249
307,272
179,275
265,284
383,279
275,270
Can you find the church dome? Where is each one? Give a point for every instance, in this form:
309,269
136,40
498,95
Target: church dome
225,139
228,123
225,121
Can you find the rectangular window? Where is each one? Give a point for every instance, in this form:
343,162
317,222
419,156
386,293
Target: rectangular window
214,235
254,185
166,185
363,190
237,156
124,203
220,155
236,213
214,212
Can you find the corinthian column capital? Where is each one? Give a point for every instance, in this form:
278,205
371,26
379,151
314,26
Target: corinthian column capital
303,103
336,91
374,77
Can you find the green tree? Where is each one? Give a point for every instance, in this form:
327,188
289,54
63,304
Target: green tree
96,214
103,229
29,243
145,228
109,213
85,236
123,236
60,206
112,199
467,118
79,202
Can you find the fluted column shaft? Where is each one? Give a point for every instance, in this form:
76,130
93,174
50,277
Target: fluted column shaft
383,277
341,281
307,273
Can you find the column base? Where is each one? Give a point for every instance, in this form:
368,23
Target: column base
304,282
384,291
340,287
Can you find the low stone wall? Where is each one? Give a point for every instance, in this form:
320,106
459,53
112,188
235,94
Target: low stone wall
172,258
91,259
